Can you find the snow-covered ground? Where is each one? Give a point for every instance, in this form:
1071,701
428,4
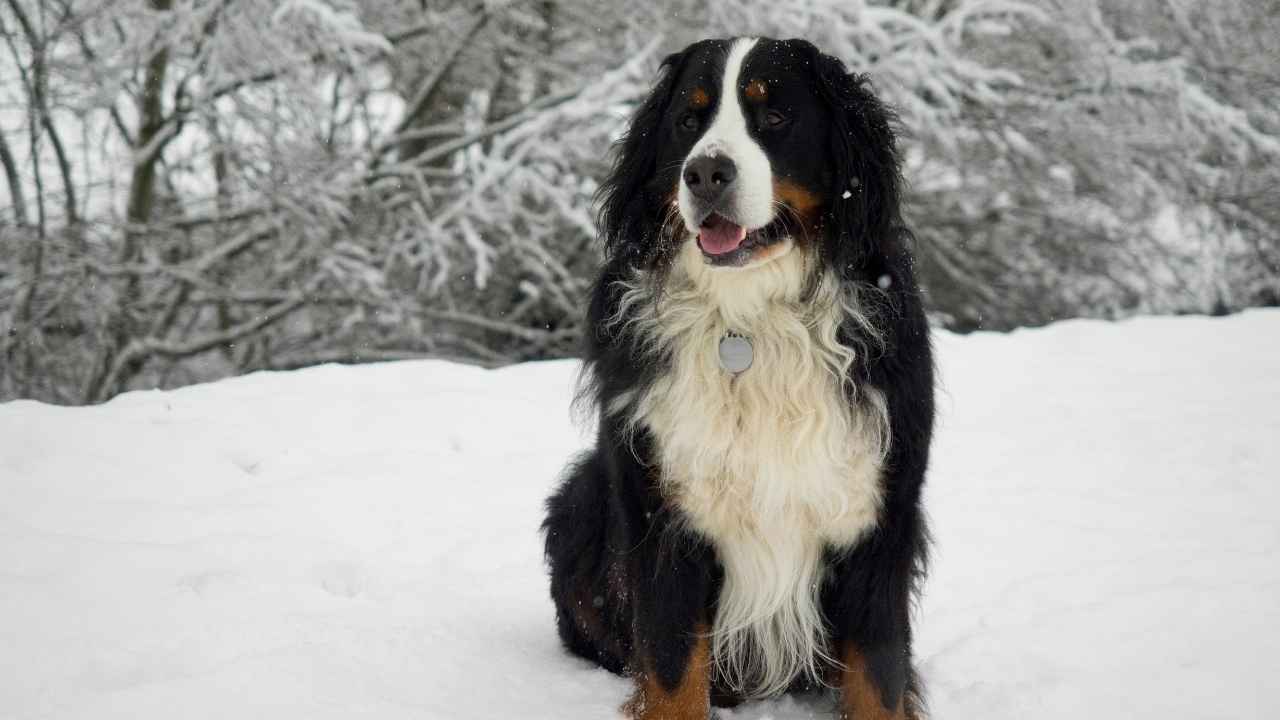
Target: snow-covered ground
349,542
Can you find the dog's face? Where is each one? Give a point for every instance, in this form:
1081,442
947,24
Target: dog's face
747,130
748,148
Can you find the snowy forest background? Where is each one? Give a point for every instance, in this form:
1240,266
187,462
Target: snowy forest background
201,188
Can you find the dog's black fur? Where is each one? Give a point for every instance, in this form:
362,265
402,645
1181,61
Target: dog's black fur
630,582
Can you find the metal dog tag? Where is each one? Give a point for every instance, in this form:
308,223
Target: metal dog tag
736,353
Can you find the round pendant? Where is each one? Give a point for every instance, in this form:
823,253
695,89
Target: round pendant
735,353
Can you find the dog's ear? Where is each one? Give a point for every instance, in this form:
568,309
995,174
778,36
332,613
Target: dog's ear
629,218
866,183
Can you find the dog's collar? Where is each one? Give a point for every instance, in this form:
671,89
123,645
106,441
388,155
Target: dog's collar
736,352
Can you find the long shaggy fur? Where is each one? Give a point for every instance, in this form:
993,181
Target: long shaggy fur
776,509
769,501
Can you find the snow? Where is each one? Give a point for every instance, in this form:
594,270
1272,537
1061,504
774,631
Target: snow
362,541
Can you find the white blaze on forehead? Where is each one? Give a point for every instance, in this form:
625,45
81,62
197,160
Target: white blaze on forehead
750,199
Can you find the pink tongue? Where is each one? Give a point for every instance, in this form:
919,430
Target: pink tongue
721,236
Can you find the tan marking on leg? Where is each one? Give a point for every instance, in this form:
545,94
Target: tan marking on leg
691,700
859,697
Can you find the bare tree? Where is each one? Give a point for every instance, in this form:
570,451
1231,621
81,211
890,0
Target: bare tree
199,188
278,184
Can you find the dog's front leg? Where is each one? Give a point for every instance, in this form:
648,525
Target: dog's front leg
686,697
871,617
672,662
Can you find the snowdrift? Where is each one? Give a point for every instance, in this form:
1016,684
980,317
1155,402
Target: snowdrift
347,542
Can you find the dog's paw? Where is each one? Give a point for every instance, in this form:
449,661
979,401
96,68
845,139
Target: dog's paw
646,704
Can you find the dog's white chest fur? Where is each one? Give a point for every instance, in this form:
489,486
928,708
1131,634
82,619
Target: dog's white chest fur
772,464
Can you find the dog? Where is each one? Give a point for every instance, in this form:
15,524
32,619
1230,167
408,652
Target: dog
749,520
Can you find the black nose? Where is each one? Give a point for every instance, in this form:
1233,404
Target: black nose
708,177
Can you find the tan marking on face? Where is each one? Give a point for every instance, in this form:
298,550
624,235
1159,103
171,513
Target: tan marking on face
757,91
800,199
805,204
699,98
859,697
691,700
770,252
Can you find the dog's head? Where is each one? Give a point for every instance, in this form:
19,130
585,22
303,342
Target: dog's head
750,147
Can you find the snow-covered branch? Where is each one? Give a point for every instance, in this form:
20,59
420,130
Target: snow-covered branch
202,188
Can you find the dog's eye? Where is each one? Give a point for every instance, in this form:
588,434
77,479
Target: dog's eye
774,120
689,122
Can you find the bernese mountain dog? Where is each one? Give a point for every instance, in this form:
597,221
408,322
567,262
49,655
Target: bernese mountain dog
748,522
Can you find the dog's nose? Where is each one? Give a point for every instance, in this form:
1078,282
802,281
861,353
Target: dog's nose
707,177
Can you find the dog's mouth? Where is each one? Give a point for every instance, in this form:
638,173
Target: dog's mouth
724,242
